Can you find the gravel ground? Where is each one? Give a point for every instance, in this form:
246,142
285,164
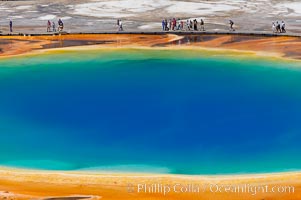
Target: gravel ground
100,15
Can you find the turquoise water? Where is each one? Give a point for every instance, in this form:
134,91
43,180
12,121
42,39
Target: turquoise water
151,111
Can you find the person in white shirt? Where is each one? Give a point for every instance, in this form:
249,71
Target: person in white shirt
120,25
274,27
187,25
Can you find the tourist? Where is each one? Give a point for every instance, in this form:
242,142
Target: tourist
166,25
274,27
231,25
191,25
48,26
278,29
53,27
169,24
11,26
187,25
282,28
182,25
61,25
163,25
120,25
177,24
195,25
202,25
174,24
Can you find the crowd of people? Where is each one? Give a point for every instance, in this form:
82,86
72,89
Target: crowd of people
278,27
51,26
187,25
193,25
182,25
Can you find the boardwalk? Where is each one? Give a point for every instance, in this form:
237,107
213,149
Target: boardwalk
254,33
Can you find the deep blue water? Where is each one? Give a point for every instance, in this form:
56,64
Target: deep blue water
141,110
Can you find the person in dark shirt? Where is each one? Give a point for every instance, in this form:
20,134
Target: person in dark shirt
11,26
61,25
48,26
231,25
202,23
